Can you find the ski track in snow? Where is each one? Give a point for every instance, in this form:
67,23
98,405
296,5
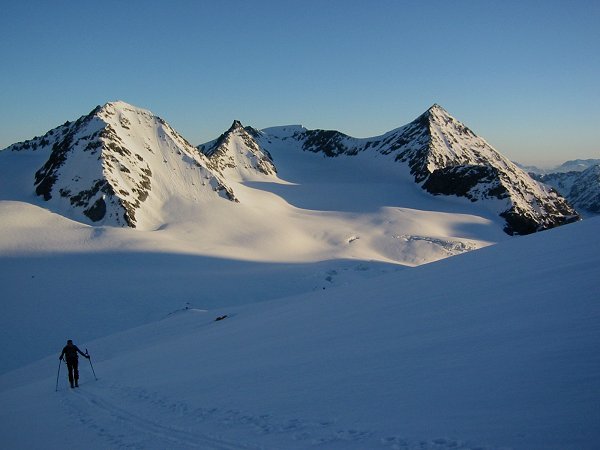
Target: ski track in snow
116,423
130,417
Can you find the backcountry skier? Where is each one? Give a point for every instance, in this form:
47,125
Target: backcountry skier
69,352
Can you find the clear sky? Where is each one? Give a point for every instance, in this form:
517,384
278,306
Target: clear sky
524,75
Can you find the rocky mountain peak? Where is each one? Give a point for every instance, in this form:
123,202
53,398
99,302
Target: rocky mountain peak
116,166
237,151
450,159
434,114
236,125
120,164
447,158
436,109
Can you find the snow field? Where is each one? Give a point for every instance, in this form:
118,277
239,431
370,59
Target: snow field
331,340
491,349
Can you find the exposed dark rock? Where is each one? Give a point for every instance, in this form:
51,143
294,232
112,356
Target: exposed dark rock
460,180
122,179
521,223
235,125
83,197
220,158
253,132
129,214
47,175
449,159
329,142
97,211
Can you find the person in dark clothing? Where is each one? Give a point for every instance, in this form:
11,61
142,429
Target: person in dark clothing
69,352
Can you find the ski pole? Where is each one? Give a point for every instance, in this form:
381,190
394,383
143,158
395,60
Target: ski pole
90,360
57,375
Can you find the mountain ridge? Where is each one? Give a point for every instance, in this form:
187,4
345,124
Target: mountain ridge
439,150
120,164
581,188
573,165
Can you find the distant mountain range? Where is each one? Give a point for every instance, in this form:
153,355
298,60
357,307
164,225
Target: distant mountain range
443,155
580,188
574,165
577,180
121,165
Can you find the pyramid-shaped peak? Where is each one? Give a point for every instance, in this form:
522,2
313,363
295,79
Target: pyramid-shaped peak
436,114
119,106
235,125
436,109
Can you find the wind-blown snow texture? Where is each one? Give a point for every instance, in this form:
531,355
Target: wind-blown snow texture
496,348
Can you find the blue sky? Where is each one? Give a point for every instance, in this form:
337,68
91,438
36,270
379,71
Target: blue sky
523,75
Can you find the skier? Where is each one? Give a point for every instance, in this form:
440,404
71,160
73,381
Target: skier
70,353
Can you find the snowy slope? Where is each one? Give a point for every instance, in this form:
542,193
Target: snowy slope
330,342
449,159
122,165
319,221
119,165
115,278
496,348
237,155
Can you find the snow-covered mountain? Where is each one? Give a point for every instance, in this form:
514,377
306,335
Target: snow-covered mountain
575,165
237,154
447,158
283,194
530,169
330,340
580,188
118,165
122,165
